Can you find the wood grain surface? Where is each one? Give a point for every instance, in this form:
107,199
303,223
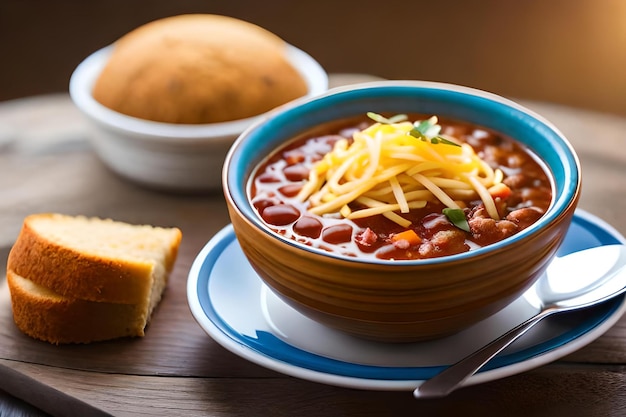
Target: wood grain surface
176,369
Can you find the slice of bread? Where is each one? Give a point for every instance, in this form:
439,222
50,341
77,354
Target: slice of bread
48,316
76,263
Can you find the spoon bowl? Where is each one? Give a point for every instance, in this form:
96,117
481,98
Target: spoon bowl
578,280
595,275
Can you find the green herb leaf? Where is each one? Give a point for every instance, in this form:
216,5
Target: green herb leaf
428,127
428,131
387,121
446,141
457,217
416,133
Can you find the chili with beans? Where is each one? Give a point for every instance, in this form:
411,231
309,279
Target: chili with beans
526,197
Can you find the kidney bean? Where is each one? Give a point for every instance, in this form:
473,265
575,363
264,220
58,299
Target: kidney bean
262,204
267,178
293,157
308,226
290,190
297,172
338,233
280,214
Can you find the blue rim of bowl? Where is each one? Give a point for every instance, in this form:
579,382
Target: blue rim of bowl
445,100
85,75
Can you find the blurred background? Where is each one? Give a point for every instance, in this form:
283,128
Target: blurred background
564,51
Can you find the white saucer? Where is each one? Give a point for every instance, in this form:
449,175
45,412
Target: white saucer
235,308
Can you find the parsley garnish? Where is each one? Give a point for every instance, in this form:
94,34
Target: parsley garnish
428,131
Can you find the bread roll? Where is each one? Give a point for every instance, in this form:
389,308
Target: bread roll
199,68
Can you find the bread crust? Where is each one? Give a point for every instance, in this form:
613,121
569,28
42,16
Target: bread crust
74,274
199,68
58,319
71,273
81,280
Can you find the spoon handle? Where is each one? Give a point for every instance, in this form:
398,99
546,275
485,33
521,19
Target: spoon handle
450,378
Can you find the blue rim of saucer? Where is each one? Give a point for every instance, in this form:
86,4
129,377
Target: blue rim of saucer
586,231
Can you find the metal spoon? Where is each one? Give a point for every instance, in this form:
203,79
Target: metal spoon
578,280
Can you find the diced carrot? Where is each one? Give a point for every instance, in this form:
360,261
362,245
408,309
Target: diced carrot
408,235
500,190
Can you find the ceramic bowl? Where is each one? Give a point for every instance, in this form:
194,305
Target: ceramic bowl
402,301
175,157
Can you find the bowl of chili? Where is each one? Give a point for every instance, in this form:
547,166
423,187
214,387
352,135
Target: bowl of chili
401,211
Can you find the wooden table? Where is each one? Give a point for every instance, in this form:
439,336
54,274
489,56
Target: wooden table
48,165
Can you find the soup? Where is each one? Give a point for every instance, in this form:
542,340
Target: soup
400,188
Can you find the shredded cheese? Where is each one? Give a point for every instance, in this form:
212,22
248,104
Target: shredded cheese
385,170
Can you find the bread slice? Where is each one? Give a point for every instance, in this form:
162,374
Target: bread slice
48,316
75,262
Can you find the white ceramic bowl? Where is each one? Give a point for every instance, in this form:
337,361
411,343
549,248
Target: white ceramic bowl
174,157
